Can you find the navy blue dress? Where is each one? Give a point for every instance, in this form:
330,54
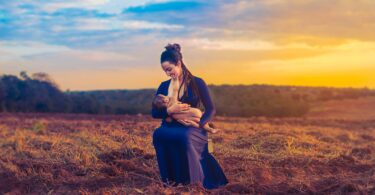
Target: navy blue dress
181,151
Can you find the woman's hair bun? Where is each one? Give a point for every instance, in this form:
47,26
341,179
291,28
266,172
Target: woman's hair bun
174,46
172,53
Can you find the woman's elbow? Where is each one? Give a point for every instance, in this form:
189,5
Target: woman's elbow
159,114
212,111
155,114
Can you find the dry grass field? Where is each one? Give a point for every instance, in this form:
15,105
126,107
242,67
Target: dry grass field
330,151
358,109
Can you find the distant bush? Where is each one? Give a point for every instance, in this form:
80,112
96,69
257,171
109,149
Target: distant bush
256,100
30,95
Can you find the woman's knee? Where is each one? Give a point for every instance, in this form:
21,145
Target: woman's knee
188,134
161,133
195,134
156,136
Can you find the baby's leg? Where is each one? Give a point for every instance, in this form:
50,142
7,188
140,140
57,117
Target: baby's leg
206,127
183,122
195,112
191,114
185,116
188,123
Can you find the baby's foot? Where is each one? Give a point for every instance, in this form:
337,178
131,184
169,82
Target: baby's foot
212,125
213,131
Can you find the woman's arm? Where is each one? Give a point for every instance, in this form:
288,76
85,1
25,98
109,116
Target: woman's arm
209,108
165,112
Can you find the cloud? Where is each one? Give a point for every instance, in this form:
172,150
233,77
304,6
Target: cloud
188,13
57,5
352,56
91,32
36,50
76,24
164,7
16,49
37,57
149,25
255,44
115,24
79,12
336,19
107,6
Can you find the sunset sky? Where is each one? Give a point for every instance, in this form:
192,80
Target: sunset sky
116,44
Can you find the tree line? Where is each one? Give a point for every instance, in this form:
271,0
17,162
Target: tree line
39,93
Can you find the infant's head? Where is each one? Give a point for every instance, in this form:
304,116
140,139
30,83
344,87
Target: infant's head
160,101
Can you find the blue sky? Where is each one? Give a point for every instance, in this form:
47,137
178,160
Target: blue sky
114,44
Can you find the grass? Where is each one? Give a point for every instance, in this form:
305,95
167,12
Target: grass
60,153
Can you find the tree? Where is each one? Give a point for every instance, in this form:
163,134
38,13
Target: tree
2,96
44,77
24,75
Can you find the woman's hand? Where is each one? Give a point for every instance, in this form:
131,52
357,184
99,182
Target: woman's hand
178,108
184,122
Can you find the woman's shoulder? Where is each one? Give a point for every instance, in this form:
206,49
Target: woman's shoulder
165,82
198,80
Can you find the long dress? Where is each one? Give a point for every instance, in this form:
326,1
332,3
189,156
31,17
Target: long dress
181,151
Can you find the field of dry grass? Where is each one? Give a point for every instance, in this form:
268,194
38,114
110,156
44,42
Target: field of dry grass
359,109
80,154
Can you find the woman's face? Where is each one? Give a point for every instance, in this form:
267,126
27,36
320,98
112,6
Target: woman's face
172,70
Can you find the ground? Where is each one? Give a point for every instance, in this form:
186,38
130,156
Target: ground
331,150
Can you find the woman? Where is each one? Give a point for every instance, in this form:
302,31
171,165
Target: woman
182,151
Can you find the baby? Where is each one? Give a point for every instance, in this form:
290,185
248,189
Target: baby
191,117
